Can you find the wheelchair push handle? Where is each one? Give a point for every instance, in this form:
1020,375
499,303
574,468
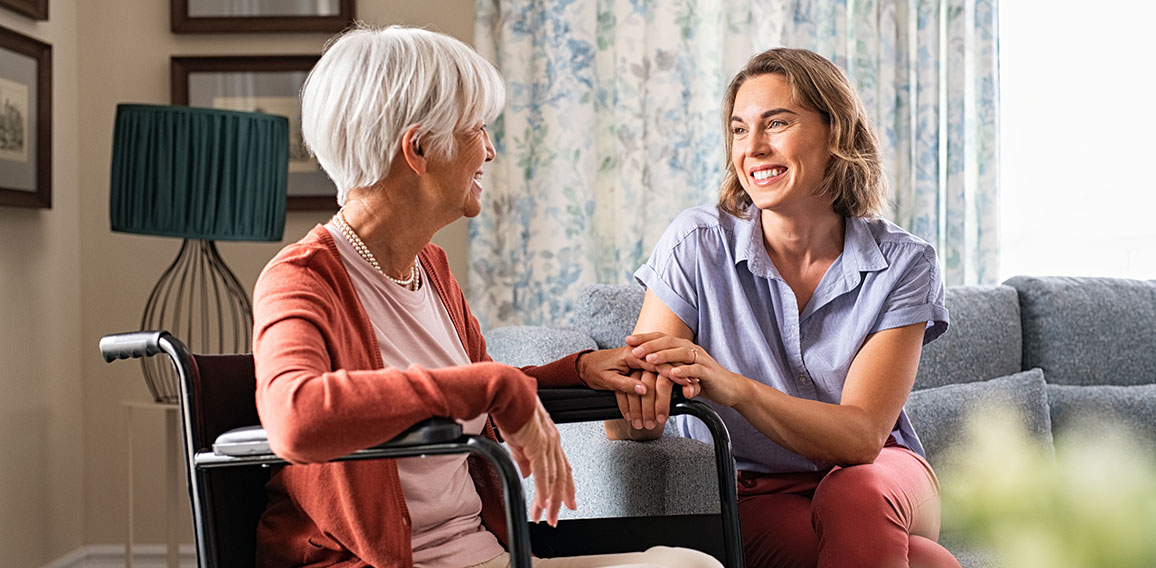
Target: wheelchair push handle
131,345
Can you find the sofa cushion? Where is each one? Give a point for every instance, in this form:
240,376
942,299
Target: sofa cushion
1087,331
1133,407
939,414
521,345
607,312
967,552
981,342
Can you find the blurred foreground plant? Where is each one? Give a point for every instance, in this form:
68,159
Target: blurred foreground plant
1091,504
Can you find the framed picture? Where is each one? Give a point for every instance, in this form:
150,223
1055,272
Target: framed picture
35,9
260,83
211,16
25,121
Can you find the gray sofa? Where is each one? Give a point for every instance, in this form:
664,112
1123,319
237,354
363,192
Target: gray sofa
1059,349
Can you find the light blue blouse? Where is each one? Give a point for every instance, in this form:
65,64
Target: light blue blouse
712,270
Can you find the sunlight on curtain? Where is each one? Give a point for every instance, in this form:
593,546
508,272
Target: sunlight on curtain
1077,136
612,127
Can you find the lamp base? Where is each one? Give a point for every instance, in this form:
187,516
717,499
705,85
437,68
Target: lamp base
199,300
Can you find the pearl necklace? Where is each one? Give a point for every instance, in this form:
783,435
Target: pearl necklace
414,280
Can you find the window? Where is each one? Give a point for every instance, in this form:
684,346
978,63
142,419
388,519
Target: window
1078,138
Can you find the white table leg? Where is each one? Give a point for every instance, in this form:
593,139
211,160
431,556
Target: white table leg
171,443
129,536
172,468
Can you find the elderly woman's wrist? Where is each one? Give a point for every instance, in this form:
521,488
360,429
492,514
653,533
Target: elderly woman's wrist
582,366
515,415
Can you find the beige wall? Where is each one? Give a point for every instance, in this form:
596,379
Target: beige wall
66,280
41,344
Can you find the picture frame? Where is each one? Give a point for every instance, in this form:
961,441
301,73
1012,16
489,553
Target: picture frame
230,16
25,121
266,83
35,9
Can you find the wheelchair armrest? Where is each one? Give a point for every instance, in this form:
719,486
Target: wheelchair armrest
584,404
243,441
579,404
252,440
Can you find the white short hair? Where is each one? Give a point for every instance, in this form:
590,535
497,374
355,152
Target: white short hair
372,84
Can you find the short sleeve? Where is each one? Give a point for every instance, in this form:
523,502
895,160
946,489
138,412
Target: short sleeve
671,272
916,297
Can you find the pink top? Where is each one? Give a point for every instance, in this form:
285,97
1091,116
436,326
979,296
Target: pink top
414,328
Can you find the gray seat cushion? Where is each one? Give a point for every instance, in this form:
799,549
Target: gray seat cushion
939,415
969,554
1088,331
981,342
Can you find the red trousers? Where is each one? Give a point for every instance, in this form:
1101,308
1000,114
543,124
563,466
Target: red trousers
879,515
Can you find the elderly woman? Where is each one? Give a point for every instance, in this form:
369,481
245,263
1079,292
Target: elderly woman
800,316
361,330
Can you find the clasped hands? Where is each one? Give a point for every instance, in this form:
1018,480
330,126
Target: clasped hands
663,361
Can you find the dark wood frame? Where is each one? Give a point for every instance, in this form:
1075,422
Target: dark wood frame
181,22
182,66
42,52
35,9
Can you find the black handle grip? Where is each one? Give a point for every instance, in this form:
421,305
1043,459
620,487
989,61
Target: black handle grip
131,345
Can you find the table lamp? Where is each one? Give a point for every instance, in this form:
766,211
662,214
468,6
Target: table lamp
203,175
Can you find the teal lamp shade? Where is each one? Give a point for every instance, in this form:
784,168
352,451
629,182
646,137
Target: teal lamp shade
199,173
202,175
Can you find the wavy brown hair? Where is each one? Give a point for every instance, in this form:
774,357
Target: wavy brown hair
853,179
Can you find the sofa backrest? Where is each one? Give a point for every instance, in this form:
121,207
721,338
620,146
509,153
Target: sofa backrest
982,340
1089,331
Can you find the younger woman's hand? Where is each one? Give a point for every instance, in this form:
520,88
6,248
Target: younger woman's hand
537,448
687,364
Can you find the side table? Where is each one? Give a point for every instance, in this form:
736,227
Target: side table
172,455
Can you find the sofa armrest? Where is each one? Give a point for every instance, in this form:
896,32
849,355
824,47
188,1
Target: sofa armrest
622,478
613,478
521,345
607,312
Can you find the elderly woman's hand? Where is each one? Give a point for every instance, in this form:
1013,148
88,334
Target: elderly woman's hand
537,448
648,411
612,369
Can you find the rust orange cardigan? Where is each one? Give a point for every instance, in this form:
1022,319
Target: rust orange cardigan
322,392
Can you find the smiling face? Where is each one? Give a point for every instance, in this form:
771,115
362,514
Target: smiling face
779,149
459,175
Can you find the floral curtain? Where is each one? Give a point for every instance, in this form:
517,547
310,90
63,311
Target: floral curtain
612,127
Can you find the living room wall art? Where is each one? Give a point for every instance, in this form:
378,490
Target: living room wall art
230,16
259,83
35,9
25,121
